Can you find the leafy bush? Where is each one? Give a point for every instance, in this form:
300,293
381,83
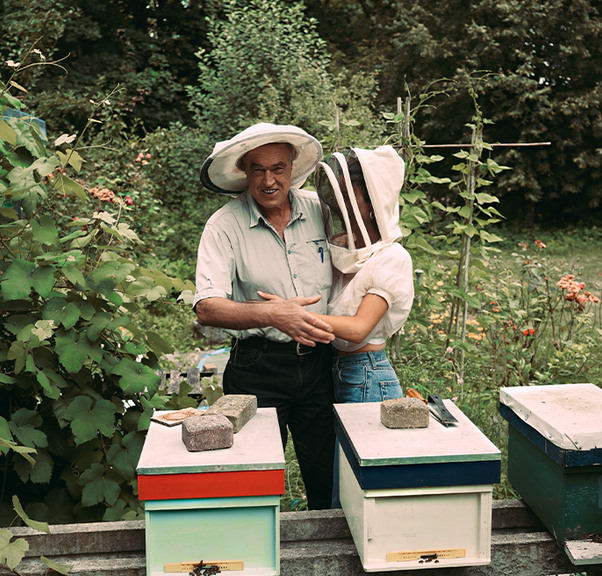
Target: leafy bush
77,379
267,63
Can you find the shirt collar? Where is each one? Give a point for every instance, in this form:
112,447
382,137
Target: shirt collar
255,214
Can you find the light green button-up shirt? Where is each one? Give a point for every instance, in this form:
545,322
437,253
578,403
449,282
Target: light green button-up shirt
240,252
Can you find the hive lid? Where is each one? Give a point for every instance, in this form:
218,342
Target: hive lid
256,447
375,445
568,415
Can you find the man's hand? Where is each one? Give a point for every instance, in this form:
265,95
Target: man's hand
290,317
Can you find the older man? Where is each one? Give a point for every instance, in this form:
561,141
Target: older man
271,238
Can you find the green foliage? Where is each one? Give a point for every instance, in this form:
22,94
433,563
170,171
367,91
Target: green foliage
76,386
541,324
544,58
149,49
268,64
11,553
173,242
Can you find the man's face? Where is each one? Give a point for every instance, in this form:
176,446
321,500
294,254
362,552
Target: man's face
268,169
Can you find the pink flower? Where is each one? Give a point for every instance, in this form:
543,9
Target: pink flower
148,156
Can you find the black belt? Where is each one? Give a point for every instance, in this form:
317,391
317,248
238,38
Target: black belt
259,343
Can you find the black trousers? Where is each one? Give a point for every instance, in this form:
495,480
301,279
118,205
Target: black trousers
297,381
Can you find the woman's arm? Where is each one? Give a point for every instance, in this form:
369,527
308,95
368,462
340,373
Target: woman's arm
352,328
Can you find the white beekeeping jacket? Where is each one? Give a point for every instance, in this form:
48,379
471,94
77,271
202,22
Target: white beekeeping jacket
363,266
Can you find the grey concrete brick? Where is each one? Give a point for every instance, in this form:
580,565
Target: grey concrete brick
238,408
207,432
404,413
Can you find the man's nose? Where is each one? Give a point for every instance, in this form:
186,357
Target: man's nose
269,177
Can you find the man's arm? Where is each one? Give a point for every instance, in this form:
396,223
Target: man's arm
287,316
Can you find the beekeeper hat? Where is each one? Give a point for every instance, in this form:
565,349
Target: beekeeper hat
220,174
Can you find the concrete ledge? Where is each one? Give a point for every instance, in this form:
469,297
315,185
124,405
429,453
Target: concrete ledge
316,543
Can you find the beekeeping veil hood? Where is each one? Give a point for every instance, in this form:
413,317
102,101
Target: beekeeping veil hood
348,230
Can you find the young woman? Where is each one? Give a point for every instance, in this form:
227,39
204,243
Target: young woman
373,287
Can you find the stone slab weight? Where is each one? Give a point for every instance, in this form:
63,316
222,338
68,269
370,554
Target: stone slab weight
207,432
238,408
404,413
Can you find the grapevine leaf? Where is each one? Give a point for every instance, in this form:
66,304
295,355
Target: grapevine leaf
87,419
42,280
98,487
71,356
45,166
61,312
45,231
136,377
99,322
41,471
54,566
74,275
124,458
43,329
11,553
7,133
24,425
51,390
18,353
16,282
40,526
66,185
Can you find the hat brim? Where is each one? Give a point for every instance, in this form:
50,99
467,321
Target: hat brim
220,174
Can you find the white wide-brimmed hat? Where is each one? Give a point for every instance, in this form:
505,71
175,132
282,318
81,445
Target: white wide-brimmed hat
220,174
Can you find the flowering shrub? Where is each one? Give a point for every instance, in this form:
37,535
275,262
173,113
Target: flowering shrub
539,330
574,292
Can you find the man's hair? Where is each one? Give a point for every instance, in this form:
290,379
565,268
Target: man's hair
293,154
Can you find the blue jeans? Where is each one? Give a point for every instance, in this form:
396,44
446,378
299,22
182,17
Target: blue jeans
363,377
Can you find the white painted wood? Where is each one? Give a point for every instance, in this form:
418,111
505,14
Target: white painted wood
376,445
583,552
256,447
410,519
568,415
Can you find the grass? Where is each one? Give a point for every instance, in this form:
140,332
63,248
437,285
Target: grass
294,498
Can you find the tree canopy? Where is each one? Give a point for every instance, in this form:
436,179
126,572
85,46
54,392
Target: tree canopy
221,65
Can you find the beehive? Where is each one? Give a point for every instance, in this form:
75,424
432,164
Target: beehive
216,506
416,498
555,455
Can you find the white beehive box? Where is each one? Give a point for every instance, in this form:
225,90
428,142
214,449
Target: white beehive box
416,498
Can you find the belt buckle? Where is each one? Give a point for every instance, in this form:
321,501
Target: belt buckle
298,350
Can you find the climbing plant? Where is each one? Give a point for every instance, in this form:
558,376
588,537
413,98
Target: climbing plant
78,382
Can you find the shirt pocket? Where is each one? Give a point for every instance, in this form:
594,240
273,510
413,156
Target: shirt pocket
319,260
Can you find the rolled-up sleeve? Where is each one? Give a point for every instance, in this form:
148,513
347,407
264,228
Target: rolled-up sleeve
215,265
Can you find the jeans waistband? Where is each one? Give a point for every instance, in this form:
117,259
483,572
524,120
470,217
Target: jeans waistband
362,357
259,343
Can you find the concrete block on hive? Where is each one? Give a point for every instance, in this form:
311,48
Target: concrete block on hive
238,408
404,413
207,432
